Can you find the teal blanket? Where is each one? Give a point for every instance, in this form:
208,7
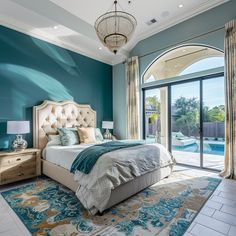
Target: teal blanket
86,159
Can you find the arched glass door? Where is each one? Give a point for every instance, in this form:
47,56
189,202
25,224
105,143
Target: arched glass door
187,115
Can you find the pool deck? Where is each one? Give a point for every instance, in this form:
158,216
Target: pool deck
191,158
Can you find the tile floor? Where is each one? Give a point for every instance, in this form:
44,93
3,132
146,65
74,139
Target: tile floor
216,218
192,158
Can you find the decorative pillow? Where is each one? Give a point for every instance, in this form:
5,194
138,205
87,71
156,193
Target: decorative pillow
86,135
68,136
54,140
98,135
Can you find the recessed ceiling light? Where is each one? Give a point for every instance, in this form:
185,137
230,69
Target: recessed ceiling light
100,48
55,27
181,6
165,13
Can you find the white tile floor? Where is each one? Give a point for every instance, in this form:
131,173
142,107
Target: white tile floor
216,218
218,215
192,158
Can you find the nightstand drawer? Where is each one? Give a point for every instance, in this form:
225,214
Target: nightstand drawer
18,172
16,160
15,166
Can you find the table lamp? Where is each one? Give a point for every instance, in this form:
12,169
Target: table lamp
18,128
107,125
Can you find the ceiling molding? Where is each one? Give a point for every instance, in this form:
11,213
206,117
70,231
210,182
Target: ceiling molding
203,8
26,29
45,8
89,51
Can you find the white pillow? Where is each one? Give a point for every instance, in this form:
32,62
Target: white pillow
54,140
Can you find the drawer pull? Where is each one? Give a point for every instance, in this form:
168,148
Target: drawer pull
18,159
20,174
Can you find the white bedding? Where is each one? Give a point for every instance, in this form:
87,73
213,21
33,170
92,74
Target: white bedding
111,170
63,155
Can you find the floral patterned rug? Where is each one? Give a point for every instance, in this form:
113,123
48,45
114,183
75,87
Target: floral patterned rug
166,208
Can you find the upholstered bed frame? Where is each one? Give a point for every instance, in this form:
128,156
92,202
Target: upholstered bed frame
50,115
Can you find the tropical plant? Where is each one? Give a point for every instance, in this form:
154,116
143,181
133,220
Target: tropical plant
217,113
155,105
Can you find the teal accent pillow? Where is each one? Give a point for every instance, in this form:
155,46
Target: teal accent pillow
68,136
54,140
98,135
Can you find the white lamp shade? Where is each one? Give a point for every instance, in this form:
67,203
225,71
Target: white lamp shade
18,127
107,124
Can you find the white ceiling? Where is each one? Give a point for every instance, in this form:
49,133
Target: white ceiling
69,23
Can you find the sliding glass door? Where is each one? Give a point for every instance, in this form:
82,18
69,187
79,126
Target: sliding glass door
189,119
198,122
185,123
155,115
213,123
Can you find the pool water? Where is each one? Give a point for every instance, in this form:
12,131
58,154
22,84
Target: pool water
215,149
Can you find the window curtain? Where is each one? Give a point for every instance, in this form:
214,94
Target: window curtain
132,98
230,85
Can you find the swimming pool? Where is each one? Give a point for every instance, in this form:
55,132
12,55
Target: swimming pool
208,148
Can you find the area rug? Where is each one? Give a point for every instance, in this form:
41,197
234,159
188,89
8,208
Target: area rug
166,208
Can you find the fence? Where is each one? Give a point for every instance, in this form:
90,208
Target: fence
214,129
210,129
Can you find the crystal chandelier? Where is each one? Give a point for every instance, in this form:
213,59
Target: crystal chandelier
115,28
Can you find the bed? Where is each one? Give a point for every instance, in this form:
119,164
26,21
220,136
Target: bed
50,115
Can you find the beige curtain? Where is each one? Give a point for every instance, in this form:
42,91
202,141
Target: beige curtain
132,98
230,84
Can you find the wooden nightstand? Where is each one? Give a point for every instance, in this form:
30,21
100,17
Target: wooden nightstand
15,166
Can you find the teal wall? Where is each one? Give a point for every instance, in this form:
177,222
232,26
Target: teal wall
119,101
32,70
196,28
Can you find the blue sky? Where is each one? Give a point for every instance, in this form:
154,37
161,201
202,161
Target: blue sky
204,64
213,91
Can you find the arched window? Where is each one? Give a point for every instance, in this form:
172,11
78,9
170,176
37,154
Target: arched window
184,60
185,110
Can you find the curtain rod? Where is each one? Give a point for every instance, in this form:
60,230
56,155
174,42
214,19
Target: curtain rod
181,42
187,54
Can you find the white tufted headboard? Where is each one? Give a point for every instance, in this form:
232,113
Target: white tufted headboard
50,115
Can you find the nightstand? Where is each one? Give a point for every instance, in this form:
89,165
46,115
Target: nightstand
15,166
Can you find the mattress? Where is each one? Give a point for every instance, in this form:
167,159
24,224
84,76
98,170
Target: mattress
63,155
